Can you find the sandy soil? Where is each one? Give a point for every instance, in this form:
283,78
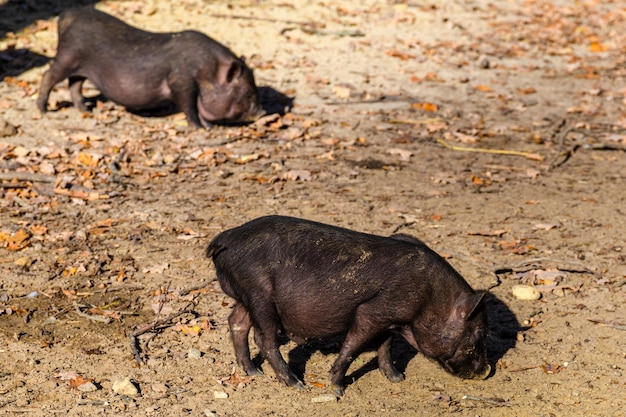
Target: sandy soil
105,222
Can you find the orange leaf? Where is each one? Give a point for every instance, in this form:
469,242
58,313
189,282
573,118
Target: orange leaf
104,223
528,90
550,368
483,88
597,47
397,54
191,330
425,106
17,241
71,294
75,383
38,230
477,180
88,160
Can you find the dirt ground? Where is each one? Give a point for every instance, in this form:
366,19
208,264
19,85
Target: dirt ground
493,130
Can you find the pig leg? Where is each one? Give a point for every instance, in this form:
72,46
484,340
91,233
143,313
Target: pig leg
54,75
63,66
364,329
266,333
385,364
240,324
76,87
185,96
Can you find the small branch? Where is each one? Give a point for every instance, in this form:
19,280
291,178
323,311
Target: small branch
559,152
134,345
568,266
262,19
100,319
194,288
498,402
522,369
26,176
607,323
529,155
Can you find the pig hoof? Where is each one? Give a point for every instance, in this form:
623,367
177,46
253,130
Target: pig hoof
295,383
395,377
338,389
254,372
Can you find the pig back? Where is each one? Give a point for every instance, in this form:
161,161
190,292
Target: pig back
318,275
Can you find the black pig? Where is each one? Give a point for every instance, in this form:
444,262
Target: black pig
143,70
312,280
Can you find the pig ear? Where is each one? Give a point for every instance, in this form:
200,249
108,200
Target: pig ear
467,305
227,73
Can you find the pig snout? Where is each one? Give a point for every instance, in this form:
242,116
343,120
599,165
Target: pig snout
247,110
232,96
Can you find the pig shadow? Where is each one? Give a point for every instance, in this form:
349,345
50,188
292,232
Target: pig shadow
16,15
273,101
13,61
502,336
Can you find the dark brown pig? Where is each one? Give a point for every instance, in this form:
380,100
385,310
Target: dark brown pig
143,70
312,280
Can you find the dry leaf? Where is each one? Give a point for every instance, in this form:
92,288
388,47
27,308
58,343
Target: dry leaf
16,241
236,379
426,106
549,368
545,226
398,54
66,375
405,155
598,47
156,269
498,233
483,88
296,174
342,91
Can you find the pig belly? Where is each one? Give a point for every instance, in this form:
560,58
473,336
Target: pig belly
132,90
320,310
313,320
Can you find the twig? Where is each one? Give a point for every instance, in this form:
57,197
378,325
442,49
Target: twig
194,288
134,345
529,155
95,403
416,122
524,368
100,319
561,140
603,146
612,324
381,99
13,185
402,226
499,402
264,19
26,176
568,266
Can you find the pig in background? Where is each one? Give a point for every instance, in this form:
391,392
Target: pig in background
309,280
143,70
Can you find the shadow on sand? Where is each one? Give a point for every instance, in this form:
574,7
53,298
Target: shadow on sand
15,15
